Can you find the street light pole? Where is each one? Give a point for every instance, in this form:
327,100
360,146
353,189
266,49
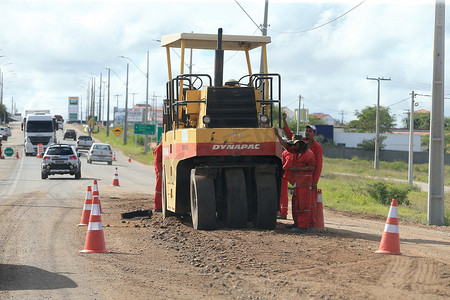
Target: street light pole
146,95
376,164
125,132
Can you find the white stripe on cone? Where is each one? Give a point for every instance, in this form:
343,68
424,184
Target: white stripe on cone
391,228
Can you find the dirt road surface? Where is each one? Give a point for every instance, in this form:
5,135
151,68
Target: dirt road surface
154,258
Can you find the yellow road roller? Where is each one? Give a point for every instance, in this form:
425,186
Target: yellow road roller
221,159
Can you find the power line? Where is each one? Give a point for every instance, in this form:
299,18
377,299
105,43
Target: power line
259,27
322,25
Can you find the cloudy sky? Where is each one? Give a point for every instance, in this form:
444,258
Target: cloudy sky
52,49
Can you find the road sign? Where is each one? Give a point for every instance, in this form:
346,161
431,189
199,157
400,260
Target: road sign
9,151
117,131
144,129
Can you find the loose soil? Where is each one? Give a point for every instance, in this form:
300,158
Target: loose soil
155,258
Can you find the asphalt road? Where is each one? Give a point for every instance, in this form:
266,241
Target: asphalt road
157,258
39,216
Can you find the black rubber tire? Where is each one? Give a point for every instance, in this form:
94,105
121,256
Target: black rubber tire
267,204
203,202
165,213
43,175
237,210
78,174
109,162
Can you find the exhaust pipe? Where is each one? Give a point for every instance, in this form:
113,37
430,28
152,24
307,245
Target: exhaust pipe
218,62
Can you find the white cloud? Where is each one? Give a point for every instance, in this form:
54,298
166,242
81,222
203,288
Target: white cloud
56,46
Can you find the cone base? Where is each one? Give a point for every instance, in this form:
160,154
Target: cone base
388,252
94,251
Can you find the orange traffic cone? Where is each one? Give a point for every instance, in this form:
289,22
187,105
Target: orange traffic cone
319,207
129,158
390,241
17,154
86,208
115,181
96,193
114,156
95,239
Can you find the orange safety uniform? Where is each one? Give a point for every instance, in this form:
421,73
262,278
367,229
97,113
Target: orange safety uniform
157,153
301,201
284,197
318,154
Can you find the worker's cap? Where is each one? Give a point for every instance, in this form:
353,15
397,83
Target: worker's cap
299,141
288,141
313,128
297,137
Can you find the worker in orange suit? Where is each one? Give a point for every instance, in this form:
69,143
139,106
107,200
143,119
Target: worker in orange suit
157,153
284,197
301,165
310,133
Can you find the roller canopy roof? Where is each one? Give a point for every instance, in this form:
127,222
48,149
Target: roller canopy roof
209,41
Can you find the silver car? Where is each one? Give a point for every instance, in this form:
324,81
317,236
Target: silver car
60,159
100,152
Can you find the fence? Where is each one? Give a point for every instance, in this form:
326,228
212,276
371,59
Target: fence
385,155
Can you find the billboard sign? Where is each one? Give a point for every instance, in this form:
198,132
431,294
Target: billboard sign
135,115
73,108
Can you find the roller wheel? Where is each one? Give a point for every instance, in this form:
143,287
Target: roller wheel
165,213
237,211
203,202
267,205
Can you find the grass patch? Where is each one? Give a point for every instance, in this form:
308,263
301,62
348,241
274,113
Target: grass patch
397,169
350,193
133,147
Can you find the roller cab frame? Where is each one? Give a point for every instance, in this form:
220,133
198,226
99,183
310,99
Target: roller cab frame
221,158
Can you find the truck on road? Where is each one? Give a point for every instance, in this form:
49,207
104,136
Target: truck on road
38,128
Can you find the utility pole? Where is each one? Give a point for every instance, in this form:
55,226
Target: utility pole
264,33
1,91
411,141
436,160
117,99
107,110
298,114
133,97
125,132
146,102
376,165
100,100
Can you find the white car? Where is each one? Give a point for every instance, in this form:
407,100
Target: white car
5,132
100,152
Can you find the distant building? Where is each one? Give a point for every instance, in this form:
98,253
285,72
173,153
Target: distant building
290,114
422,111
327,119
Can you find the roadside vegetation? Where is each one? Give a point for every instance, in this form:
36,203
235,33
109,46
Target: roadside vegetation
134,146
353,185
347,185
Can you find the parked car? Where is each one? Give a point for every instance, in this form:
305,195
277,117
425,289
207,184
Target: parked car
61,159
100,152
5,132
70,134
84,142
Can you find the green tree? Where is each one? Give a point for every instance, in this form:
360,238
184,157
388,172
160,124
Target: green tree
370,143
426,142
366,121
421,121
2,112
